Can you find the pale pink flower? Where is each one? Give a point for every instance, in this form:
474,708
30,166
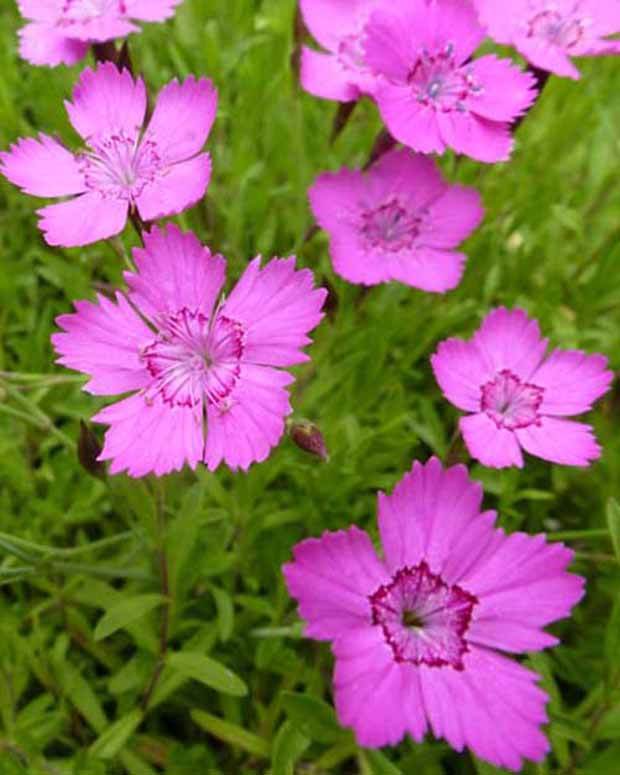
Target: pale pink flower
518,396
549,33
160,170
431,94
205,375
338,73
399,221
61,31
418,635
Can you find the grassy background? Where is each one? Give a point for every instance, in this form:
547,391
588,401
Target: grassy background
70,703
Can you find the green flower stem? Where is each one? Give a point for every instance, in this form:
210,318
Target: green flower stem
36,416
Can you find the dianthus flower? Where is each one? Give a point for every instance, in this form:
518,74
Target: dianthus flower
548,33
417,636
519,397
339,73
61,31
158,170
431,95
399,221
205,375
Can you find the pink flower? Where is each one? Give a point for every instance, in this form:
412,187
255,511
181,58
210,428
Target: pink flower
61,31
159,170
519,398
432,96
418,635
400,221
205,375
341,73
549,33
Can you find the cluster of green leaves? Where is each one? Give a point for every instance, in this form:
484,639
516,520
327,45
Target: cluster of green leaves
104,669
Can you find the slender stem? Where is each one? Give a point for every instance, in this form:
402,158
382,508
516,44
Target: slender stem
576,535
164,579
21,543
44,379
138,224
36,415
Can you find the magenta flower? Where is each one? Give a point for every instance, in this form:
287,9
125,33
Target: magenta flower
61,31
549,33
339,73
431,96
418,635
400,221
205,375
159,170
519,398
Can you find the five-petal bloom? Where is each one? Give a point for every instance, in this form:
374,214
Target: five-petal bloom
160,170
519,398
549,33
60,31
431,96
399,221
206,375
417,635
339,73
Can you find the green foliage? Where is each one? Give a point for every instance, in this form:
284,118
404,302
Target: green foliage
85,685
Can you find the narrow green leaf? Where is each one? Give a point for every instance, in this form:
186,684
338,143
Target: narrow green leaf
125,612
79,692
379,764
288,747
312,717
208,671
108,745
231,733
613,522
225,612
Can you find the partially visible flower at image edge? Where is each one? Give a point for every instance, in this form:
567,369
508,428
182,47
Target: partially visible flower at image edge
339,72
61,31
398,221
549,34
159,169
418,635
518,397
205,376
431,93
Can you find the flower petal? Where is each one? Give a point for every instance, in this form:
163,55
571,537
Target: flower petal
153,437
426,514
250,421
370,689
99,29
509,339
42,44
472,135
177,189
151,10
82,221
408,120
521,568
331,578
572,380
329,22
104,340
182,119
493,706
42,167
434,271
492,446
506,93
174,272
106,100
278,305
560,441
323,76
460,371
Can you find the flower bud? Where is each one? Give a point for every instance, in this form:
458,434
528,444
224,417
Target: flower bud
88,451
308,437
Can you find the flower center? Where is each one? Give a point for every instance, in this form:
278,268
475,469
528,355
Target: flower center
440,83
391,227
424,620
557,30
75,11
351,53
119,166
195,359
511,403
